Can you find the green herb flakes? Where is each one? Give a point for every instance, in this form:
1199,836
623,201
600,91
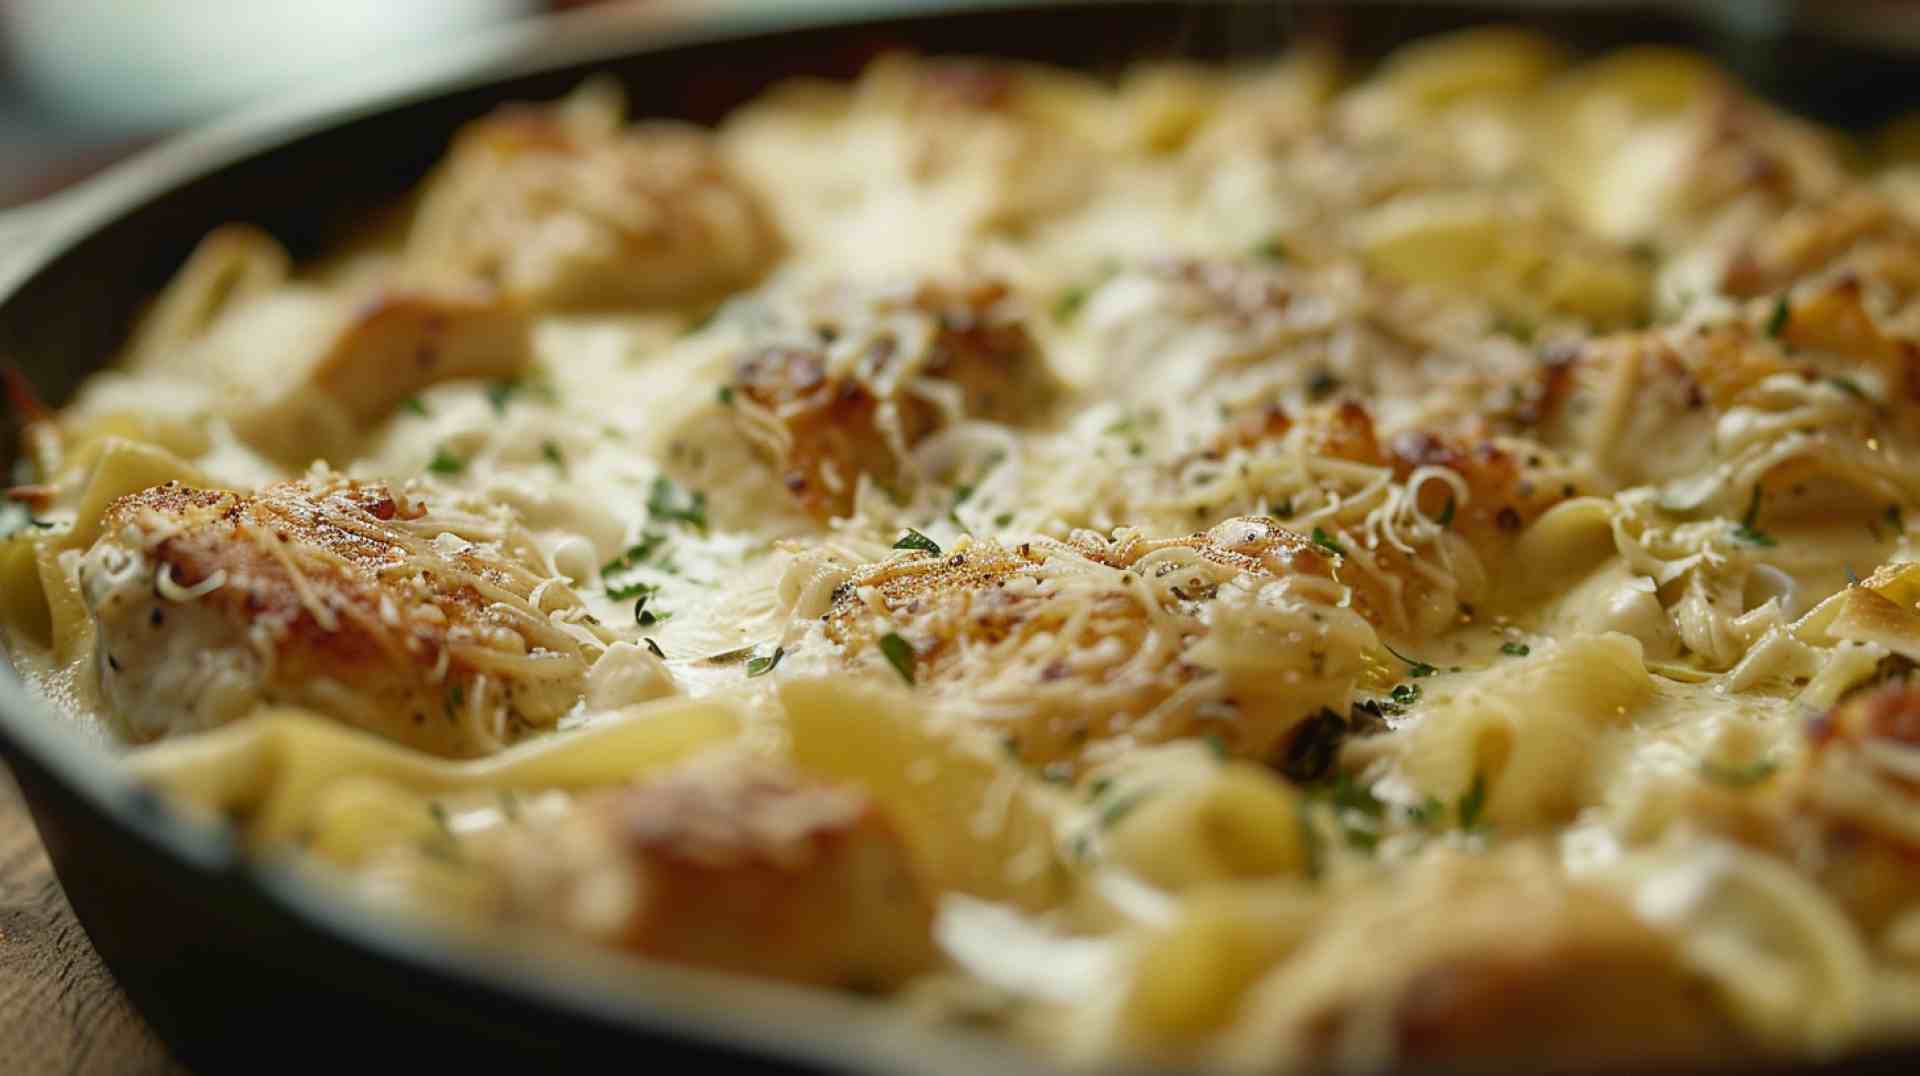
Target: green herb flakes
1325,541
899,654
445,462
761,666
665,505
1747,531
913,539
1746,776
1777,318
1472,803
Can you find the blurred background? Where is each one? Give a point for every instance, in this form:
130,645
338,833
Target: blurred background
84,82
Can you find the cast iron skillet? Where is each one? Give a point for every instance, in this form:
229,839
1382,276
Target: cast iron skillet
245,965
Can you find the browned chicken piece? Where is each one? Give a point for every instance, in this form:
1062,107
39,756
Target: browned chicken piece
1498,963
1842,813
375,357
1510,481
1646,407
1856,233
304,371
556,210
733,864
1858,792
428,626
1077,650
869,374
1746,149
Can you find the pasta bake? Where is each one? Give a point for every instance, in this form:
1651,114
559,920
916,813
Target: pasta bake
1295,567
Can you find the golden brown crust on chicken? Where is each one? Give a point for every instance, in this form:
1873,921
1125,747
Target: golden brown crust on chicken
1856,796
1509,481
1858,232
1503,962
854,388
558,212
736,865
1077,649
388,349
1582,978
347,597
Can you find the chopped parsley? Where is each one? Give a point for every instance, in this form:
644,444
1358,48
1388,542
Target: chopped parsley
1325,541
501,393
1777,319
913,539
1427,812
1351,795
1445,518
413,406
725,396
1853,577
1121,806
1070,302
1216,744
1405,694
1358,811
1415,669
1003,519
622,591
664,504
1472,802
439,812
635,555
1746,531
644,592
761,666
1272,249
1745,776
445,462
1515,650
1849,386
550,451
899,654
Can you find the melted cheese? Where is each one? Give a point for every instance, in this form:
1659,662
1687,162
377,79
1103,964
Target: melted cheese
1222,521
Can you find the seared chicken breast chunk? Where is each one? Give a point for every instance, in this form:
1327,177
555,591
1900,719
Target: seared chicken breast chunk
849,378
1078,650
430,626
559,207
729,863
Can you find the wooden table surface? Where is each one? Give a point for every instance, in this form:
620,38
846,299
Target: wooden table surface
60,1012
